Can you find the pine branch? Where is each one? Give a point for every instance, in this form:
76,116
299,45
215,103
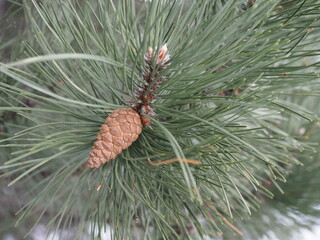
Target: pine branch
223,104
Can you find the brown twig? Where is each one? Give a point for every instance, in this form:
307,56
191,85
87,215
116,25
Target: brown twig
226,221
152,80
194,162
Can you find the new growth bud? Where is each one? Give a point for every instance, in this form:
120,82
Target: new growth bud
156,61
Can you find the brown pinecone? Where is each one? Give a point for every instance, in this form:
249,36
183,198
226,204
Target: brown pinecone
121,128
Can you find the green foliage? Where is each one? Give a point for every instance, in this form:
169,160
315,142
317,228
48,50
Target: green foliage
291,214
84,58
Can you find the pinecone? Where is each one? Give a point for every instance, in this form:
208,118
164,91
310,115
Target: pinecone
121,128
